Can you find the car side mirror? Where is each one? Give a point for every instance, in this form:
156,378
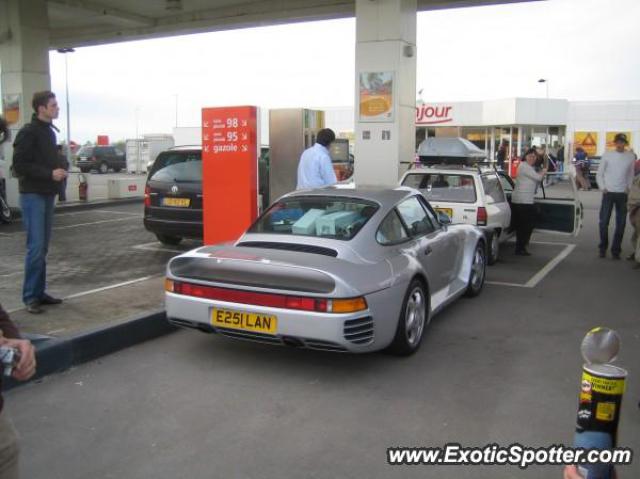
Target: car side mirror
444,218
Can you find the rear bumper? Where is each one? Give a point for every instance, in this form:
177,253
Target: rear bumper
182,229
328,332
86,164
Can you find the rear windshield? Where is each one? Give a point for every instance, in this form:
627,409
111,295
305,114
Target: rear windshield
319,216
86,151
178,167
448,187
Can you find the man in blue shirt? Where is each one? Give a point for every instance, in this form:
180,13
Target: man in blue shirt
315,169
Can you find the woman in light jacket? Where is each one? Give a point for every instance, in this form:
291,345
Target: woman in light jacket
522,204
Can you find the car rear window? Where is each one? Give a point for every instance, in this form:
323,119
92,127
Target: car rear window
448,187
86,151
178,167
319,216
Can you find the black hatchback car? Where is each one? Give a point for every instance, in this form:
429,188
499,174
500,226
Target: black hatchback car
173,196
173,193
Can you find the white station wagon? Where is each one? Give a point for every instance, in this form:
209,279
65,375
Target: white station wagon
454,180
468,196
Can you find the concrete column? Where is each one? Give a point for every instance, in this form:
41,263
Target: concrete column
385,43
24,64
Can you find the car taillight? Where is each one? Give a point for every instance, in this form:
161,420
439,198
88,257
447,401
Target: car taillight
147,196
301,303
481,216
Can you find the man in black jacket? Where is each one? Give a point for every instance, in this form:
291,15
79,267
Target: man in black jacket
37,165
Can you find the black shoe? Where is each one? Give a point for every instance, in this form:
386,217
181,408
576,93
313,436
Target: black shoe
34,308
46,299
615,256
603,254
523,253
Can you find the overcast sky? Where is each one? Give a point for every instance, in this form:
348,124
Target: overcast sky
588,49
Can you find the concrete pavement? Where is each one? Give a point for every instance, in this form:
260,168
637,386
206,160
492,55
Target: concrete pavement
503,367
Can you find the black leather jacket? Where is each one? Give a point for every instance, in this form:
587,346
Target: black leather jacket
35,156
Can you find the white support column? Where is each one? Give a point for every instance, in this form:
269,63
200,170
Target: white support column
24,64
385,43
493,144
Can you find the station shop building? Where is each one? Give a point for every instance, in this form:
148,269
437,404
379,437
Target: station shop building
522,123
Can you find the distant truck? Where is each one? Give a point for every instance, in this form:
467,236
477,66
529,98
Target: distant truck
141,153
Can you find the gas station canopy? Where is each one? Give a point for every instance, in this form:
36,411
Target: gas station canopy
75,23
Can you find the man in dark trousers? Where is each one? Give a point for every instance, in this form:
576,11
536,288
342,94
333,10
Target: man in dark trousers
23,370
40,172
614,177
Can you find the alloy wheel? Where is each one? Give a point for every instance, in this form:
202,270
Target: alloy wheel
415,314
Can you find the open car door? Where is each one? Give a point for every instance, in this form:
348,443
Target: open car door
559,207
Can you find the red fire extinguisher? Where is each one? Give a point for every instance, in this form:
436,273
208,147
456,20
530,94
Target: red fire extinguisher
83,187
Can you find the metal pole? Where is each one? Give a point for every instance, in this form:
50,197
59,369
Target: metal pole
66,83
137,143
176,95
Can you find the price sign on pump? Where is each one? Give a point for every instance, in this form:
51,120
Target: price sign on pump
229,171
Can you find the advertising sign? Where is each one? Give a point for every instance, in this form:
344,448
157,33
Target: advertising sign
588,140
229,171
376,96
433,114
612,134
11,108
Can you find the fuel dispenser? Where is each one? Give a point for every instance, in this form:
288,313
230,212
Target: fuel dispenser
291,131
342,159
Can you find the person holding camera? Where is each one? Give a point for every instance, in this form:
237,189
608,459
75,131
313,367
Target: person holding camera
23,369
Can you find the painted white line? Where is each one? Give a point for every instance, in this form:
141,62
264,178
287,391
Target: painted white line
155,246
550,266
56,228
95,223
117,212
99,290
10,274
501,283
50,333
546,269
112,286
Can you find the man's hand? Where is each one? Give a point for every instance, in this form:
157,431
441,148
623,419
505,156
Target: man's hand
26,366
544,171
604,191
571,472
59,174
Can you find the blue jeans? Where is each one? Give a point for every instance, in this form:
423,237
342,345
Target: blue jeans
609,201
37,217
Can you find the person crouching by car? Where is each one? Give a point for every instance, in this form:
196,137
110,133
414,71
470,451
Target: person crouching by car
522,204
633,205
23,370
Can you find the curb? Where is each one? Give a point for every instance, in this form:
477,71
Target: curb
55,355
16,213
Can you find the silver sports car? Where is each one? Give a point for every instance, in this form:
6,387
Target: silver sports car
330,269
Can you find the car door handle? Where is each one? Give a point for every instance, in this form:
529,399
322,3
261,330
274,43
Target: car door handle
428,250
